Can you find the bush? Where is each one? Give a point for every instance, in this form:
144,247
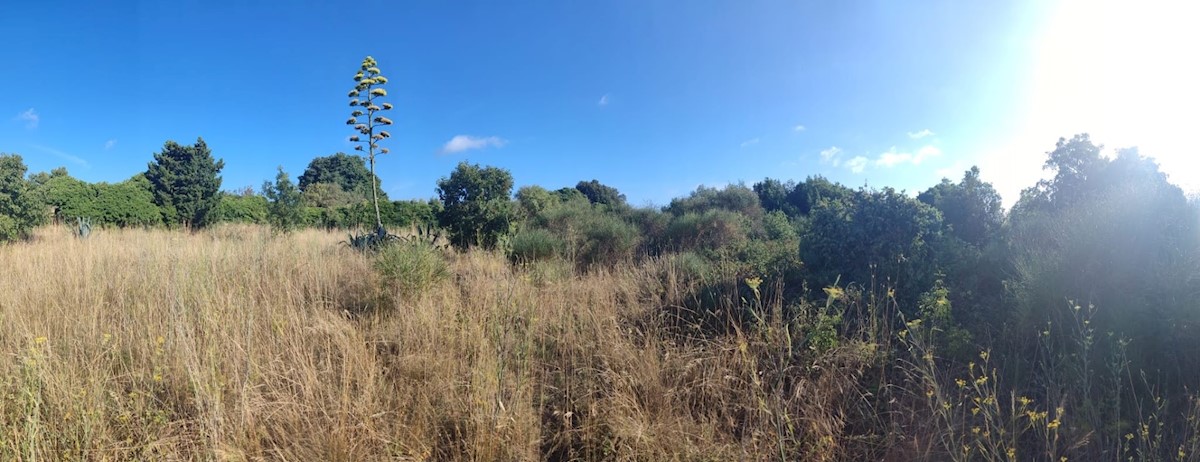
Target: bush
535,244
607,240
411,268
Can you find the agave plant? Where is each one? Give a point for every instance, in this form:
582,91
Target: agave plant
427,234
371,241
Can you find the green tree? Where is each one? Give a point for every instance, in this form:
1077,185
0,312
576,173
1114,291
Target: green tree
348,172
598,193
774,195
970,209
873,236
18,211
368,89
476,208
284,202
186,181
66,197
125,204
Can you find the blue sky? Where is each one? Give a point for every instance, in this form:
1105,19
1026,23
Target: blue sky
651,97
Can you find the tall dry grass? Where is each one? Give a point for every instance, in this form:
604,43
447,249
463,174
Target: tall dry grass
236,344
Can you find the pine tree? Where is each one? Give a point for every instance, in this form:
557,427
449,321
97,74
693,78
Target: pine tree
185,181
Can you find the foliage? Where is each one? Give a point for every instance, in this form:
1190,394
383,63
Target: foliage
242,208
18,211
284,202
347,173
126,204
873,236
734,198
536,244
1112,232
476,205
415,212
186,181
366,98
774,196
598,193
970,209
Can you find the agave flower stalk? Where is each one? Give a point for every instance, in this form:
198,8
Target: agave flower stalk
368,120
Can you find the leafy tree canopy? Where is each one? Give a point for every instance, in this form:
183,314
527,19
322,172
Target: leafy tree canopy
476,205
18,212
186,180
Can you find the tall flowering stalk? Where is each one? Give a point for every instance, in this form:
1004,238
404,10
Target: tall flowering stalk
368,120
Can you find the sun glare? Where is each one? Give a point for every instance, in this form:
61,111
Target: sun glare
1127,73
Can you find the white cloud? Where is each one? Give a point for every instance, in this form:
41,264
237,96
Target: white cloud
831,154
926,152
462,143
30,117
750,142
110,144
62,155
857,164
892,158
920,134
799,128
603,100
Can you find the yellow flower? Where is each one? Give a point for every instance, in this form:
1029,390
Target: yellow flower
975,430
1011,452
929,393
1053,425
40,340
960,382
834,292
1025,401
984,355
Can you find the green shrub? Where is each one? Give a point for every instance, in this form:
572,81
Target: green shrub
607,240
410,268
535,244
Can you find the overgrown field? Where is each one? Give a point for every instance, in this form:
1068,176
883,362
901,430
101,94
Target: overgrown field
238,344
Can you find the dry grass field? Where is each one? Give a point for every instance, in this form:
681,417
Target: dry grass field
236,344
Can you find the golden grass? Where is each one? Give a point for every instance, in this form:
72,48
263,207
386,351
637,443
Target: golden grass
236,344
